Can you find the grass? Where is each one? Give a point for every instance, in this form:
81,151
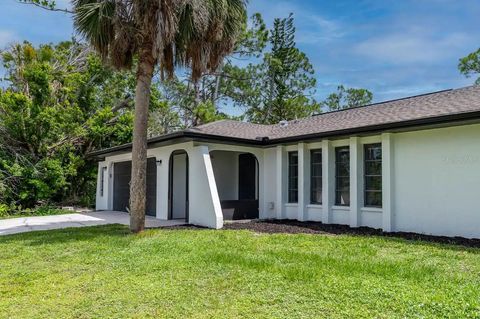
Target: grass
104,272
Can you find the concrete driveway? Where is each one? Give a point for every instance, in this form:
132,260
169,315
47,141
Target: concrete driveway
27,224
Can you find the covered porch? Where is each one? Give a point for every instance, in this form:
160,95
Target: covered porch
237,179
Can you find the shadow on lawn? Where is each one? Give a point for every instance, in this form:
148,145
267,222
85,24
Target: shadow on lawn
297,227
65,235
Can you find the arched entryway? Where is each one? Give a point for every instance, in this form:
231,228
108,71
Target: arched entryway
178,185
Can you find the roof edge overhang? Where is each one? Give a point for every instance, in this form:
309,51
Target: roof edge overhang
185,136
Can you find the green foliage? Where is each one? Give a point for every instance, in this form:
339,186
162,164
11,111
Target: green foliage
347,98
470,65
282,86
13,211
60,103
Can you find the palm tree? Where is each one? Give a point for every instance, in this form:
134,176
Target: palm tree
168,33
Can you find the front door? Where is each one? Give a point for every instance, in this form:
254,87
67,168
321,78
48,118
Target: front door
247,176
247,205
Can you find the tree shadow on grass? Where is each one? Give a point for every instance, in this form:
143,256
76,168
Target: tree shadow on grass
65,235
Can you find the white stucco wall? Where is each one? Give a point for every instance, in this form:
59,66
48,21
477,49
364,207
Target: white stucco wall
270,179
436,182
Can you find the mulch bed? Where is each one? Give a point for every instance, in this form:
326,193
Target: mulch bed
297,227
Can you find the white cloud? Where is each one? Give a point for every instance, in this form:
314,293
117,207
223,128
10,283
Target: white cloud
315,28
413,47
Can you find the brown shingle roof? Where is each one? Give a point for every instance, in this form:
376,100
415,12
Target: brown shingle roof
433,105
439,107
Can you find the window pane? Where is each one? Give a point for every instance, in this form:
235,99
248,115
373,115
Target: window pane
343,169
373,175
373,183
316,196
343,183
316,170
342,178
373,152
316,156
293,177
373,198
343,198
316,176
373,168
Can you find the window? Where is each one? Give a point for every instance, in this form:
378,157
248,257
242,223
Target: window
316,177
342,176
102,180
373,175
293,177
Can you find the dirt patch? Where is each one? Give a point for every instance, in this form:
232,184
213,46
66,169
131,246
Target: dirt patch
297,227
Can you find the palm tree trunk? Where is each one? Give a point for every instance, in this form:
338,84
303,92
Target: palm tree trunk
138,186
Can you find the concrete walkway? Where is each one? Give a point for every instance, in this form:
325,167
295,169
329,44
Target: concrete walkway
27,224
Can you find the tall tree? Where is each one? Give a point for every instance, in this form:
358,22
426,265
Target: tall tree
282,86
202,102
346,98
168,33
470,65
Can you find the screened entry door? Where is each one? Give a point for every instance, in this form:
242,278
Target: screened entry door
121,186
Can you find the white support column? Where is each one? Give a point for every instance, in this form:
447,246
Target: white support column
100,199
303,181
280,181
328,180
163,185
204,202
387,178
355,178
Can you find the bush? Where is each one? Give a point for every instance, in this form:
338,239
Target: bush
44,210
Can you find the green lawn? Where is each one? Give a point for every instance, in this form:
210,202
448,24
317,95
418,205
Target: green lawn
100,272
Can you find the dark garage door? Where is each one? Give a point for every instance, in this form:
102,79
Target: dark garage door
121,186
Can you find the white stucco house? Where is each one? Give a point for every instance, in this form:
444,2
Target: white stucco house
410,165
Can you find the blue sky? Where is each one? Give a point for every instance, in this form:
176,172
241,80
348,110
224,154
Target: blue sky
393,48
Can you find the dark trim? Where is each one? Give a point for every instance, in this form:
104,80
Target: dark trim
265,142
170,185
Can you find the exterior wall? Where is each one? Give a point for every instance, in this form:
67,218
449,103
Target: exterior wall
437,181
430,182
270,184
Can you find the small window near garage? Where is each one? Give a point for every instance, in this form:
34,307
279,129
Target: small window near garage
102,180
316,177
342,176
293,177
373,175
